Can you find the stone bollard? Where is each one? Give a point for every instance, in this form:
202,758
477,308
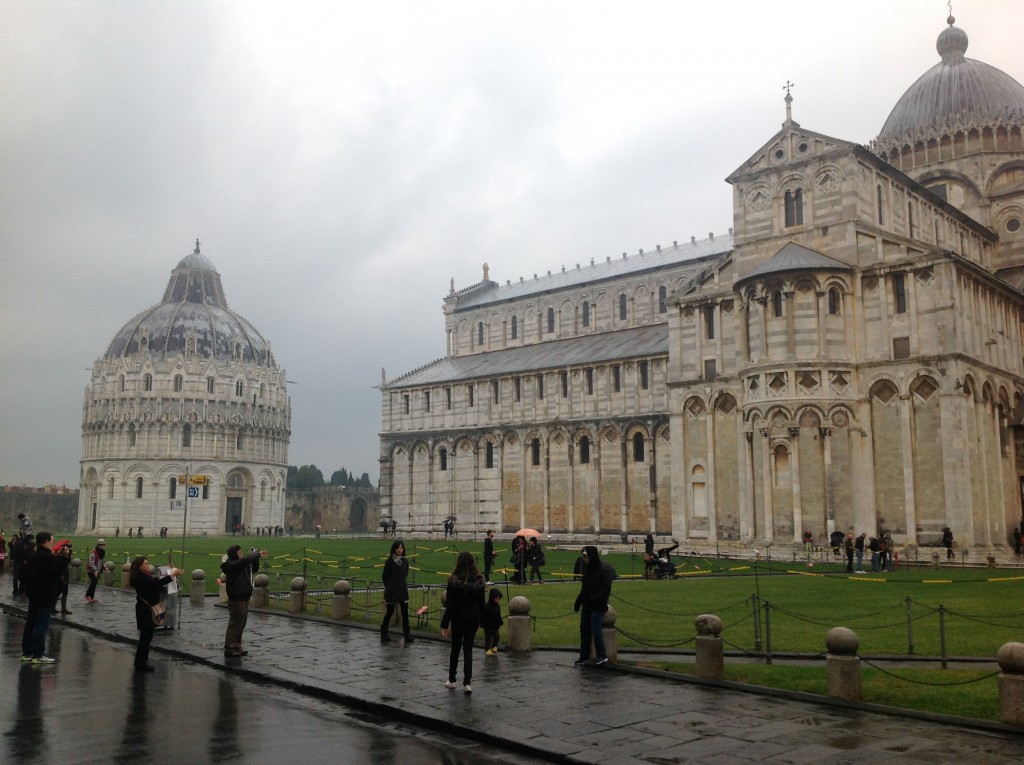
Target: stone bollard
1011,683
125,575
108,573
520,636
297,602
843,664
710,649
222,591
611,636
935,560
341,604
260,591
198,592
76,570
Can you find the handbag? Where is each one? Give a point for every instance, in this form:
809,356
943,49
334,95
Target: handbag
159,612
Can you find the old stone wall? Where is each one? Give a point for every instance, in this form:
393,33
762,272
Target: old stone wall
49,511
341,509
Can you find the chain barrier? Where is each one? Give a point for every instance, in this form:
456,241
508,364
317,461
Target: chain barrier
619,598
894,676
641,641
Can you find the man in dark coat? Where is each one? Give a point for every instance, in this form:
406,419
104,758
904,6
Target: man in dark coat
238,571
489,555
592,603
41,579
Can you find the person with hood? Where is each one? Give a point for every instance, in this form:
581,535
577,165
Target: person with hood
62,554
535,557
238,571
148,587
463,612
592,603
93,568
396,590
41,581
492,622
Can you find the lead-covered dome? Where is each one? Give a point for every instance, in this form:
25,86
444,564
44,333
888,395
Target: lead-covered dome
956,90
193,318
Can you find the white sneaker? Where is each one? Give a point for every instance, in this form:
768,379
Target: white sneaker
43,660
466,688
449,684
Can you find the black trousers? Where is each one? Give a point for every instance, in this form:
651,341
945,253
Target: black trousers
462,640
404,607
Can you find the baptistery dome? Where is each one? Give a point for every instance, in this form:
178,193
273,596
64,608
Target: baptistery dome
186,421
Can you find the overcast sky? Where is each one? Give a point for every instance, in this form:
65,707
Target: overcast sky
340,162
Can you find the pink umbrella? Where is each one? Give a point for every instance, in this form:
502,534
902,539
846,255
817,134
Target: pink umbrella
528,533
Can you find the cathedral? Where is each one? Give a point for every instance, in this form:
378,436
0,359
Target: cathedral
849,358
187,419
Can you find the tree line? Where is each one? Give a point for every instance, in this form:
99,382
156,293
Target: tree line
310,477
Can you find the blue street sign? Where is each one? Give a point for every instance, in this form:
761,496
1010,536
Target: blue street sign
193,492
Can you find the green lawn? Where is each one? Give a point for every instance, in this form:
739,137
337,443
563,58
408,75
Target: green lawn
973,610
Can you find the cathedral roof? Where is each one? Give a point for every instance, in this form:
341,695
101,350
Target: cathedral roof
795,257
193,308
650,340
956,91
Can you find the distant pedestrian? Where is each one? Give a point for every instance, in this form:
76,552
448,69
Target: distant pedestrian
873,547
25,524
148,586
518,560
858,547
1018,541
41,580
535,557
947,542
117,532
62,553
836,542
238,572
650,561
848,547
396,591
93,569
19,554
592,603
492,622
463,612
489,555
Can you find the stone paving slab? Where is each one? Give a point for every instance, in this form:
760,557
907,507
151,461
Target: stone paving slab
540,704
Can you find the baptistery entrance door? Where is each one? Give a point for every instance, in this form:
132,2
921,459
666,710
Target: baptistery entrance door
233,516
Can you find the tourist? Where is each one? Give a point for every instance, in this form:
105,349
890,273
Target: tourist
535,557
41,581
396,591
848,548
492,622
26,525
94,567
463,612
518,560
238,573
650,561
947,542
591,604
858,547
62,553
142,577
489,555
19,554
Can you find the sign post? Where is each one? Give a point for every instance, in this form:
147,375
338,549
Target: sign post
192,484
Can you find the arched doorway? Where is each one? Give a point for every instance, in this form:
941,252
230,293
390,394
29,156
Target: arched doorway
357,515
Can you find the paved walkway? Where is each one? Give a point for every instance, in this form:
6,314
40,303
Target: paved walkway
538,703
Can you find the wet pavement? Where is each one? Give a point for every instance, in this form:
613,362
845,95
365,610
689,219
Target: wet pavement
303,671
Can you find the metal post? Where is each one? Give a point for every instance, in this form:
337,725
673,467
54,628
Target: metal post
942,634
757,622
767,632
184,526
910,628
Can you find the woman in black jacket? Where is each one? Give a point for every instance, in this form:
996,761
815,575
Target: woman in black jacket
147,594
396,590
463,612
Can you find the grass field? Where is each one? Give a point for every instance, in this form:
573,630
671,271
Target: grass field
966,612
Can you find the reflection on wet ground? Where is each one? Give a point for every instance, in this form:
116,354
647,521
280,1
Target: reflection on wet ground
91,707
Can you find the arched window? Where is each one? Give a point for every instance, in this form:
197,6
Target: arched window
794,207
910,219
480,333
515,328
781,465
551,320
777,304
878,199
178,383
586,313
698,491
209,385
584,450
147,382
186,436
239,387
489,456
131,435
120,381
239,441
110,489
662,297
535,452
834,304
442,457
622,307
172,487
138,487
263,490
638,447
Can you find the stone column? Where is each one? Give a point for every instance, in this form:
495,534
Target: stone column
611,636
125,575
909,492
297,600
260,591
710,651
1011,683
341,604
197,595
519,635
842,664
798,507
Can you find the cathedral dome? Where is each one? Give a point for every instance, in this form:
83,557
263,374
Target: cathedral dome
192,318
956,90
